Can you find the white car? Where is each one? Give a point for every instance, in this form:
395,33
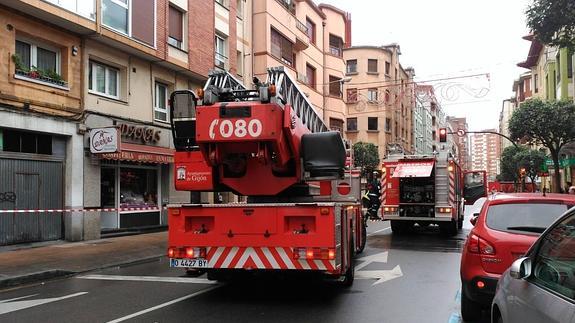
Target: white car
540,287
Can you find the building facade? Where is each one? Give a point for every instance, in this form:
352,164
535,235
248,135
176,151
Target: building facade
462,142
380,98
79,68
308,40
485,153
422,127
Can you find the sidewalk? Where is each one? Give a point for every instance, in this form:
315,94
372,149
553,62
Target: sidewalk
44,261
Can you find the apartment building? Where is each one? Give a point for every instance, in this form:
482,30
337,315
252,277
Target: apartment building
380,98
485,153
422,128
426,95
308,40
106,67
461,142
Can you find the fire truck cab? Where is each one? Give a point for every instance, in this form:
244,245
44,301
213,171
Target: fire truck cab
422,189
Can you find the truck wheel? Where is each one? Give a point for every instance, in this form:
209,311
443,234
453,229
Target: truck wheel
470,310
363,237
448,228
460,223
349,275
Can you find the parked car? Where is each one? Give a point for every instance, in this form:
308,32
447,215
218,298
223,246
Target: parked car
505,228
540,287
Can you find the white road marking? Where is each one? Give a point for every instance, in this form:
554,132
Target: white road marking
127,317
381,276
378,231
9,305
378,257
17,298
150,279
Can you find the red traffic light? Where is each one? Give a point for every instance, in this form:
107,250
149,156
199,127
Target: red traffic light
442,135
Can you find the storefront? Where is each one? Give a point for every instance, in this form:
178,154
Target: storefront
130,183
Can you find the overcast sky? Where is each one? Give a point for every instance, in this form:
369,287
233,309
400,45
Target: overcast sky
451,38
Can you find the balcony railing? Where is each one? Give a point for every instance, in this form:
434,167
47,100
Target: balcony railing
336,51
301,26
40,76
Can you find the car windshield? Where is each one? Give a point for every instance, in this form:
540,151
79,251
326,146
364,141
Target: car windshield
523,217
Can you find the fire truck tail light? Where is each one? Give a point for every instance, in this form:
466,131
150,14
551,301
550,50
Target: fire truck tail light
172,252
444,210
389,209
324,211
314,253
189,252
450,168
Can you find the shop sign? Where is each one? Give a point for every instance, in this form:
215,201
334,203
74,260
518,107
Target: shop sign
139,133
104,140
562,162
140,157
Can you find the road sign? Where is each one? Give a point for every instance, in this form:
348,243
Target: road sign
460,132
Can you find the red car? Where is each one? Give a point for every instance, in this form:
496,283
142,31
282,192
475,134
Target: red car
508,224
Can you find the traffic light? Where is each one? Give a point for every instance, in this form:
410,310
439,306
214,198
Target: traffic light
442,135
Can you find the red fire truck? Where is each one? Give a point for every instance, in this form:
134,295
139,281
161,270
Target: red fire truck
423,189
303,211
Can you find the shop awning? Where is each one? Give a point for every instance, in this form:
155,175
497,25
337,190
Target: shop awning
142,154
413,169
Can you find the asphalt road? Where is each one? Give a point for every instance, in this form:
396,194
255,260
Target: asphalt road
411,278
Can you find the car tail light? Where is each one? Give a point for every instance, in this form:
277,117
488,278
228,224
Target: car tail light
480,246
314,253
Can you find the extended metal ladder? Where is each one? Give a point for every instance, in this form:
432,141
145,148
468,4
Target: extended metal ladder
223,80
288,92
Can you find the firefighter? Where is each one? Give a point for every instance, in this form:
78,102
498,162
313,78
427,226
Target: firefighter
371,197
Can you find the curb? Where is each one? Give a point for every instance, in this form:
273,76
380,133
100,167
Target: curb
59,273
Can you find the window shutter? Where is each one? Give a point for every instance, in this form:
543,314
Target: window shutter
143,21
176,26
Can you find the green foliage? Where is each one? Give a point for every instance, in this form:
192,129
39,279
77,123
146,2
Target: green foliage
533,161
51,74
553,22
509,167
366,156
550,124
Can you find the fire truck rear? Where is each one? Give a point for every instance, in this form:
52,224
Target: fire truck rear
302,212
422,189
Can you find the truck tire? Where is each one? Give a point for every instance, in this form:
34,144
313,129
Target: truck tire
400,227
460,223
448,228
363,237
349,276
470,310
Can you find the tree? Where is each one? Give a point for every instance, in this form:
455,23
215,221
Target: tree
366,156
509,167
552,22
532,161
551,124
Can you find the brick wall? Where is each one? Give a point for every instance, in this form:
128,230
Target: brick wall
201,36
232,40
162,28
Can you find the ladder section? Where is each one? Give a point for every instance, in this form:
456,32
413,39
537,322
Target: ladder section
289,93
223,80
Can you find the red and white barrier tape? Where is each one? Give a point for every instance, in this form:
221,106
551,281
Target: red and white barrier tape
86,210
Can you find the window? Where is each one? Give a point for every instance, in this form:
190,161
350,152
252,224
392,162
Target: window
115,15
387,68
372,123
223,3
38,61
282,48
335,45
524,218
334,86
387,96
351,124
240,9
132,18
221,57
103,80
336,124
310,76
372,65
81,7
387,125
570,64
351,66
555,259
351,95
25,142
240,63
536,83
372,95
310,30
161,102
176,27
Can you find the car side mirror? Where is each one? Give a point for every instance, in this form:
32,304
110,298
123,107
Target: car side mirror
473,219
521,268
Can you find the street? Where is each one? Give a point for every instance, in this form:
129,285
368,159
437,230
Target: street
408,278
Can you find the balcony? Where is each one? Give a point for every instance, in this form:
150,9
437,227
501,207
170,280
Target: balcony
41,77
301,38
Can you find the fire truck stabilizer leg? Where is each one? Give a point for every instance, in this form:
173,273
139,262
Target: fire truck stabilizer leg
448,228
349,276
400,227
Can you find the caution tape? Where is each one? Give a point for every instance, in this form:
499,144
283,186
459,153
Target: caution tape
85,210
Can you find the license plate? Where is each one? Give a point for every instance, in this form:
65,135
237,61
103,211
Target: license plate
189,263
